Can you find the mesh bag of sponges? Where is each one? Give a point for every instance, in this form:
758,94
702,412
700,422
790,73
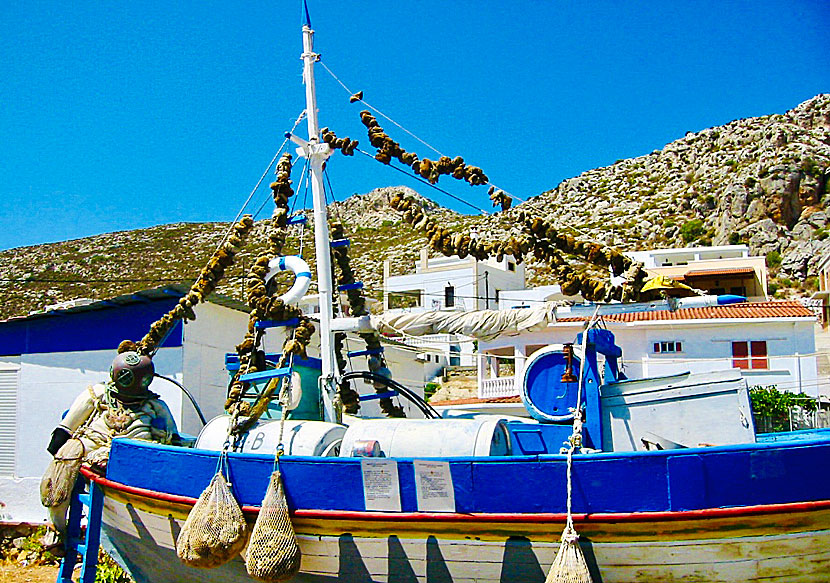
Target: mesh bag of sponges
59,478
215,530
273,553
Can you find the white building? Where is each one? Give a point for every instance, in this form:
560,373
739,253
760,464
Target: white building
772,342
726,269
450,283
48,358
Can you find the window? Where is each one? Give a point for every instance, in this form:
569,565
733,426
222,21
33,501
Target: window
738,290
667,346
405,299
511,266
449,296
750,355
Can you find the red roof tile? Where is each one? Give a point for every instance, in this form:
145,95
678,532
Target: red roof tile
719,272
477,401
750,310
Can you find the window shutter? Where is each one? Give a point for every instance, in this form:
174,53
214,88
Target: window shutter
8,420
759,354
740,353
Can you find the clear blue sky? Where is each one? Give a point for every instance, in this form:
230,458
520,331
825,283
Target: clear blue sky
120,115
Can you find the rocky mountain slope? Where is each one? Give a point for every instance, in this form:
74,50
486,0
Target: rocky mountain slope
760,181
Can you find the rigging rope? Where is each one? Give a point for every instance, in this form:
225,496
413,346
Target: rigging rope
359,97
380,113
421,180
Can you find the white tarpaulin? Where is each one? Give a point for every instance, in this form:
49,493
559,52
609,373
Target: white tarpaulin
481,324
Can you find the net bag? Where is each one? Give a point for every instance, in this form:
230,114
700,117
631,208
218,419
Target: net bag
215,530
273,553
569,565
59,478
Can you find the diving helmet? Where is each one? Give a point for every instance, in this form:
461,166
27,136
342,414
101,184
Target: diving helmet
132,373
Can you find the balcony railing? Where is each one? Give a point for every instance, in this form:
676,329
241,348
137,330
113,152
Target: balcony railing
498,387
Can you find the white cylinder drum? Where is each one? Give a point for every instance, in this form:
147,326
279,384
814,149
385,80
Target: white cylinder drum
309,438
481,436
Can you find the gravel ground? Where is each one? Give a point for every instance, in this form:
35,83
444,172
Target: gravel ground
31,574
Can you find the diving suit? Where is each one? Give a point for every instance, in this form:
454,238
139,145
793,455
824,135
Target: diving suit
122,407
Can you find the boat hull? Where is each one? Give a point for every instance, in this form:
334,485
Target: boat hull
780,543
780,538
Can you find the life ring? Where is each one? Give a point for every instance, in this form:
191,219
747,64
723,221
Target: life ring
302,275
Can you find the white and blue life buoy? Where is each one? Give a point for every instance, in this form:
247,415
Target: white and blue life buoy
302,274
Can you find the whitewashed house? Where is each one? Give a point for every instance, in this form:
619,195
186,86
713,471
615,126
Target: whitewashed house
48,358
772,342
446,283
725,269
450,283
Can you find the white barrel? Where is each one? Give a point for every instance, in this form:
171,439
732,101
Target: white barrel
481,436
302,275
312,438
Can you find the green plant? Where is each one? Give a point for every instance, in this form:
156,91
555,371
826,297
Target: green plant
109,571
735,238
774,404
773,259
691,230
821,234
429,390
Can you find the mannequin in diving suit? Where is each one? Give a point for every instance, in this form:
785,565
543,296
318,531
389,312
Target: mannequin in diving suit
123,407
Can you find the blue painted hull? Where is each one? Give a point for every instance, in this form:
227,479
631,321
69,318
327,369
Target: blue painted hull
771,472
758,512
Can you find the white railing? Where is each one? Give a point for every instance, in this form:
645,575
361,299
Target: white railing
499,387
427,340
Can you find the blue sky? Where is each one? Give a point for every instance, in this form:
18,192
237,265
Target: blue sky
119,115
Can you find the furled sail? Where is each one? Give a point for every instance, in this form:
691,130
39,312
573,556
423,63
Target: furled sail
481,324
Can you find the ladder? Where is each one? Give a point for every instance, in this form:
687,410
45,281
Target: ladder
88,544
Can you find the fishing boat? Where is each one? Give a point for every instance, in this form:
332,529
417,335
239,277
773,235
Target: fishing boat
663,479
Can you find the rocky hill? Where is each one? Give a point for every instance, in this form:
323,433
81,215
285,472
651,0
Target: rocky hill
760,181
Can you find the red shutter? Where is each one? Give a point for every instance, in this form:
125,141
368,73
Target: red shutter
759,354
740,352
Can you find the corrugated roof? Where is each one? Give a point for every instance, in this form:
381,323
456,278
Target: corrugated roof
723,271
747,310
138,297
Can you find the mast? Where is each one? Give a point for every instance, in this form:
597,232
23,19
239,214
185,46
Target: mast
317,152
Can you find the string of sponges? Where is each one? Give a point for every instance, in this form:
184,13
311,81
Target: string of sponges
345,145
265,306
546,243
430,170
357,307
210,275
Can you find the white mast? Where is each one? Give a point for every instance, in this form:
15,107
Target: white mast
317,152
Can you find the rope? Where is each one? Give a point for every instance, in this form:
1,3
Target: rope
383,115
427,183
576,437
300,118
380,113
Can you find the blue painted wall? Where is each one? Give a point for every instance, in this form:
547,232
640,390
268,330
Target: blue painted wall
101,329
